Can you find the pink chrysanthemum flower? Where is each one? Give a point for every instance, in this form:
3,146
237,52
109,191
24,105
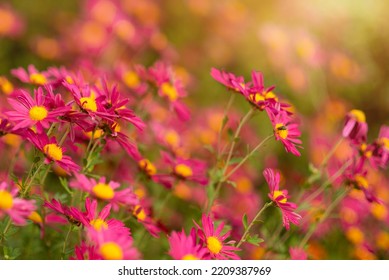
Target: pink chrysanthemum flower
52,151
170,87
115,105
355,127
69,213
112,245
105,191
229,80
214,241
99,221
187,169
184,247
280,198
29,112
31,76
143,215
86,252
18,209
380,152
286,131
5,127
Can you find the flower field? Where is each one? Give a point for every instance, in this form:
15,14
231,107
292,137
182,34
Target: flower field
194,130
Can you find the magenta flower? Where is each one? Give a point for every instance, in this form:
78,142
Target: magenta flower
355,127
380,151
286,131
143,216
69,213
184,247
32,76
99,221
105,191
229,80
29,112
171,88
52,151
280,198
18,209
214,241
112,245
187,169
86,252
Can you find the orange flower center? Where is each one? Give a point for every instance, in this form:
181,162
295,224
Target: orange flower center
147,166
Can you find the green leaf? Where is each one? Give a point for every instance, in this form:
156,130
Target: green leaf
235,160
225,121
255,240
244,221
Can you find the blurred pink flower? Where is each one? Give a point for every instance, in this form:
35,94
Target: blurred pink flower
184,247
18,209
280,197
213,240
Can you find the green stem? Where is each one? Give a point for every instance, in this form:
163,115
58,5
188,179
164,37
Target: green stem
234,140
31,180
327,183
247,231
328,211
219,136
330,154
247,157
66,241
7,227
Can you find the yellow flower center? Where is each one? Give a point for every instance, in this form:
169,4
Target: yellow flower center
281,130
103,191
361,181
189,257
183,170
139,214
35,217
147,166
88,103
38,79
277,194
69,80
111,251
172,138
271,94
6,200
53,151
170,91
98,224
98,133
256,97
214,245
131,79
358,115
38,113
6,85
